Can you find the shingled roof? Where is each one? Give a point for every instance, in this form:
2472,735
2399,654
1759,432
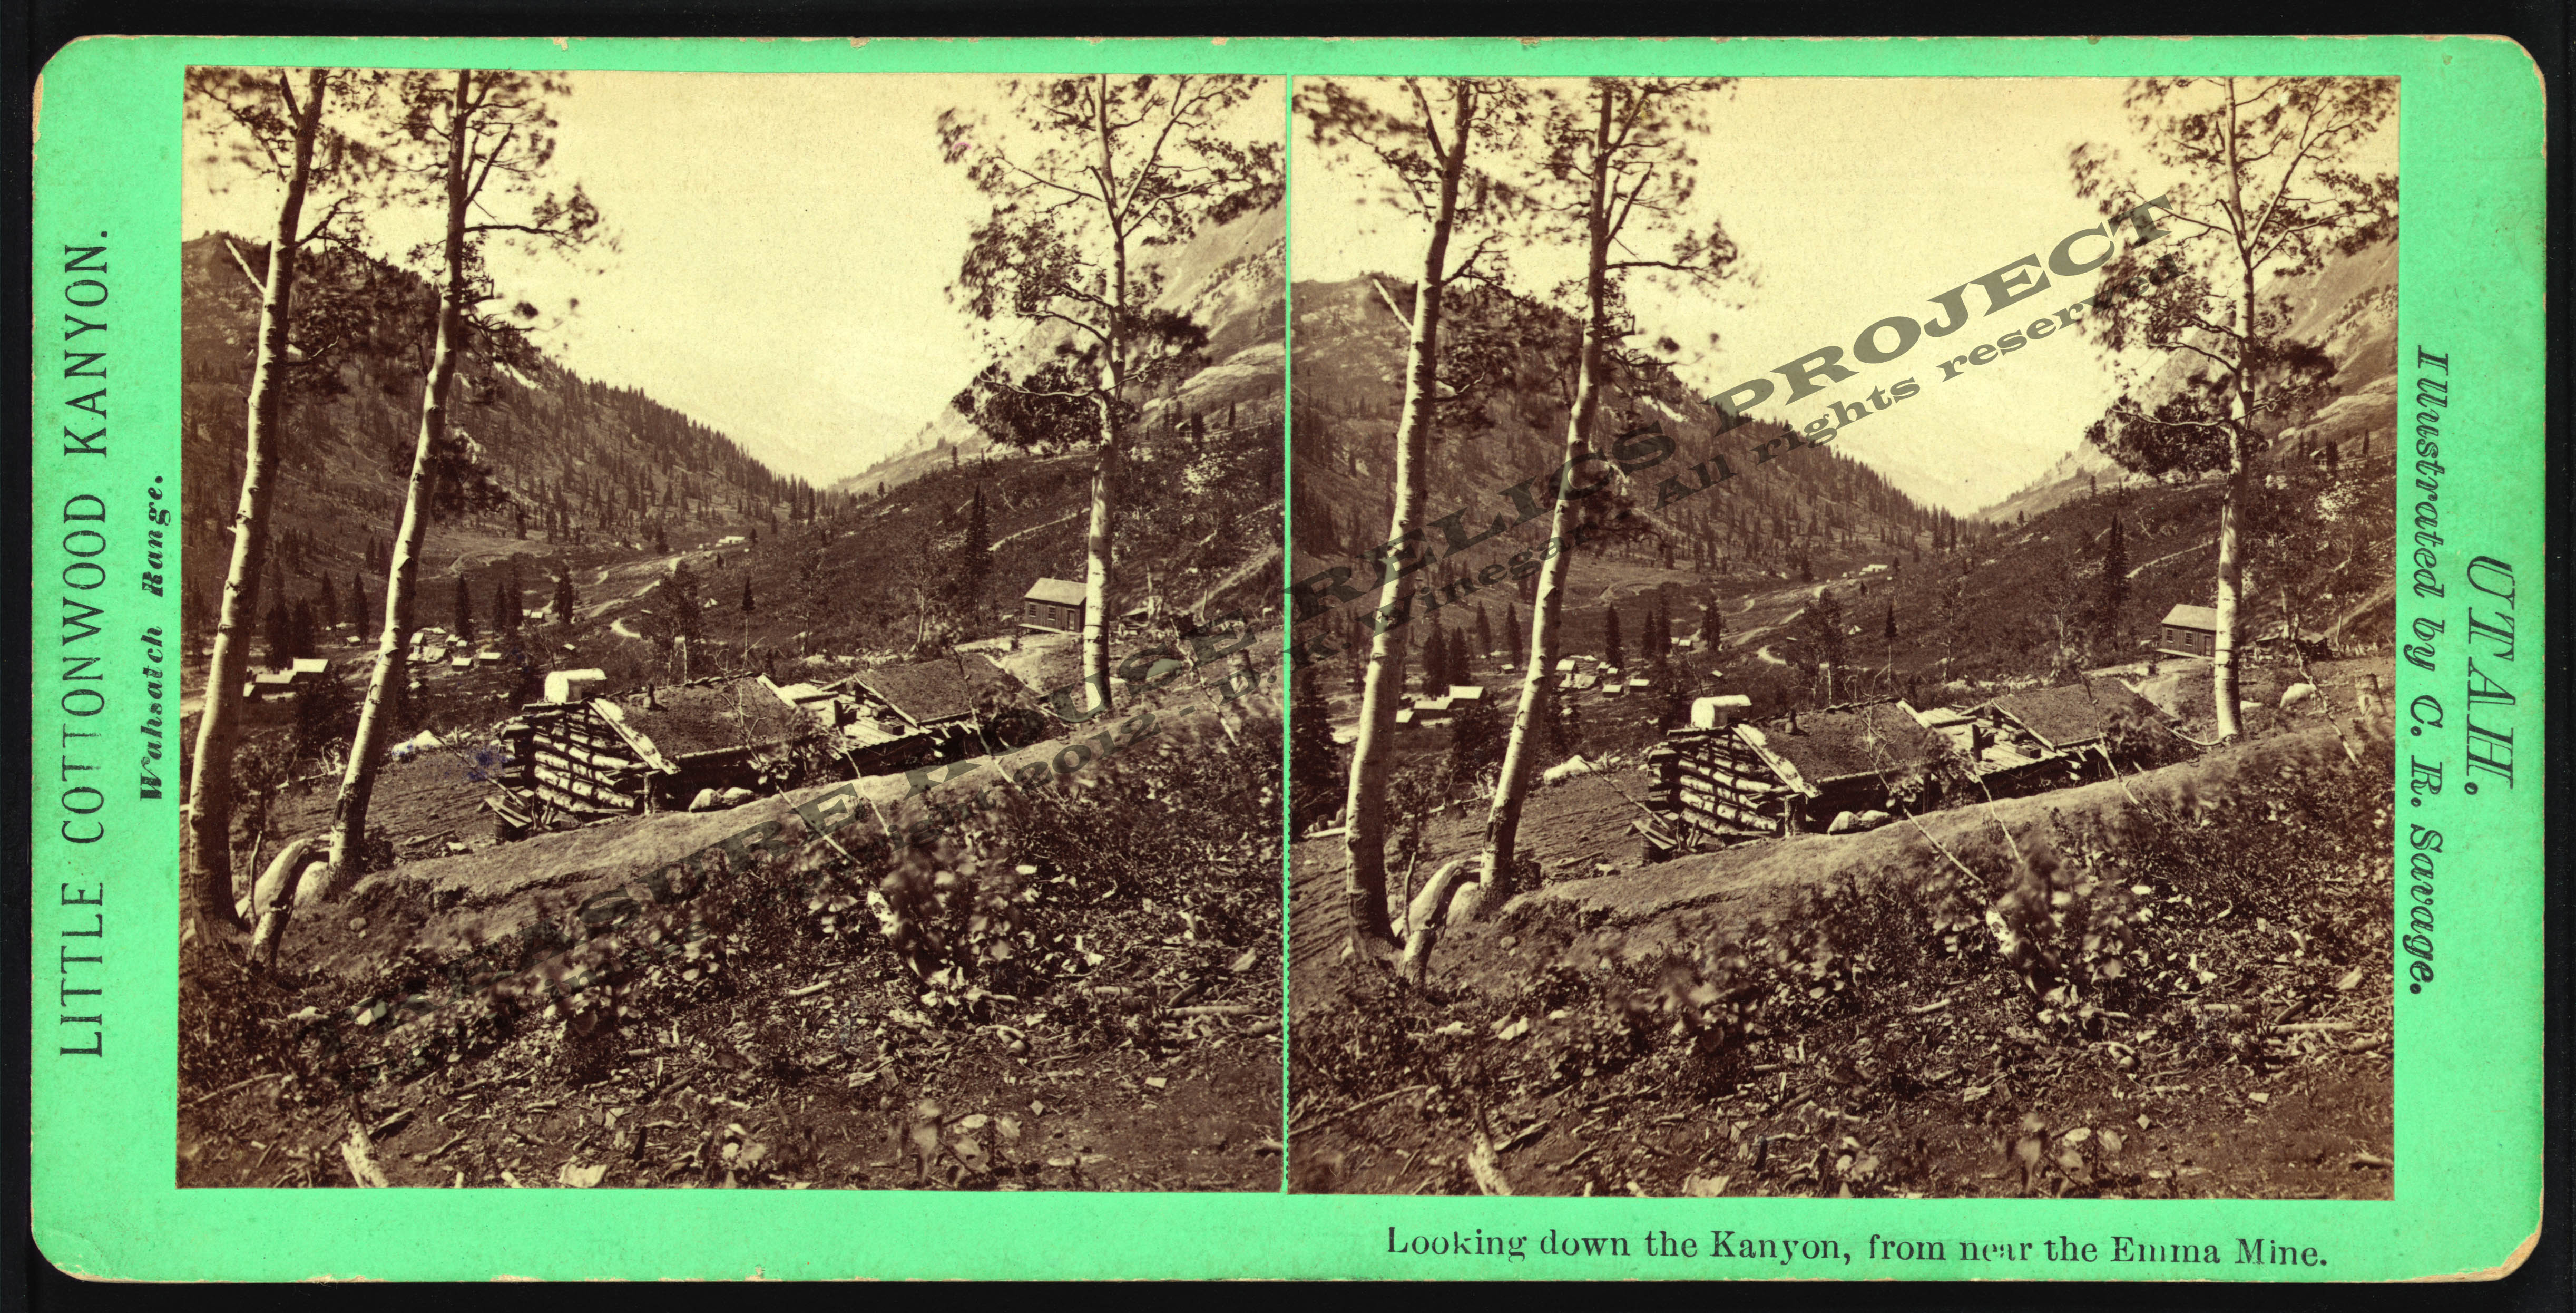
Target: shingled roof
2186,616
949,688
696,720
2073,715
1831,746
1062,592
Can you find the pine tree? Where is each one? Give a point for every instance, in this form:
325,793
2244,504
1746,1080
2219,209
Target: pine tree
975,555
358,603
1711,628
329,607
1475,740
1314,760
680,604
1484,633
746,592
1672,680
1461,665
501,605
1512,627
565,602
299,630
2115,576
1890,631
275,631
464,617
1611,655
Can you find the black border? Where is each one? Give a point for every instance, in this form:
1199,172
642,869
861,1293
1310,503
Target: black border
2540,26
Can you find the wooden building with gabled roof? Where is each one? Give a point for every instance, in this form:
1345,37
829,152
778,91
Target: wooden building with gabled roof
941,709
2189,631
1053,605
2072,717
1724,783
1849,758
655,748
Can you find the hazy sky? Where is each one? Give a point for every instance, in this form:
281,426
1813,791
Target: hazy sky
1852,200
786,241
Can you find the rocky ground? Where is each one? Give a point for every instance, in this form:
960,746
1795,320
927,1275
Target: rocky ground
1052,1010
1836,1015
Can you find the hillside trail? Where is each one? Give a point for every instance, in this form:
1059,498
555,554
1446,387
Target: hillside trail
1008,539
2198,547
1237,575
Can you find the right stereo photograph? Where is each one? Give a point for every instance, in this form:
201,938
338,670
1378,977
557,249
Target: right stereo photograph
1842,636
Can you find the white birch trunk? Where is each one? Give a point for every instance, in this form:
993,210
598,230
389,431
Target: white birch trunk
366,750
210,780
1511,789
1372,934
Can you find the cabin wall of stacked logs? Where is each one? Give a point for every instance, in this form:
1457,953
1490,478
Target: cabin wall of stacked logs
1711,790
573,763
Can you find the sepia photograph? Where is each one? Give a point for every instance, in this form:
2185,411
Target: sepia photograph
731,629
1843,637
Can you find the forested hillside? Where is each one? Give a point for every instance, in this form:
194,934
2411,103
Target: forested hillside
540,454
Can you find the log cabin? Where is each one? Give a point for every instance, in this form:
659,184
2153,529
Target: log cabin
937,710
655,748
1717,783
2041,738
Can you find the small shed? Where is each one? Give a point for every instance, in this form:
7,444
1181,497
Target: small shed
2070,717
1959,727
936,710
1054,605
2189,631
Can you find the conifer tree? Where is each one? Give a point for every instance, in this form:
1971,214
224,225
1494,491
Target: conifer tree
975,555
1611,654
463,617
276,630
1314,760
2115,576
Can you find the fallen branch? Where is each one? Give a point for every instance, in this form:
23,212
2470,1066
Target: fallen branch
253,1080
1370,1102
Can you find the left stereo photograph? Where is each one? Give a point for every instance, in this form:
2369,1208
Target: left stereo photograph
731,630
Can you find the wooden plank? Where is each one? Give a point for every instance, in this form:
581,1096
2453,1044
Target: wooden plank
575,786
608,760
577,796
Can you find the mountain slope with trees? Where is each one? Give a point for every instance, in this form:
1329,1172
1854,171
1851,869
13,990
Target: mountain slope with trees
555,458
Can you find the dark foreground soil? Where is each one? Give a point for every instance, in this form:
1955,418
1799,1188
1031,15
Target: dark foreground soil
1833,1015
691,1111
1083,993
